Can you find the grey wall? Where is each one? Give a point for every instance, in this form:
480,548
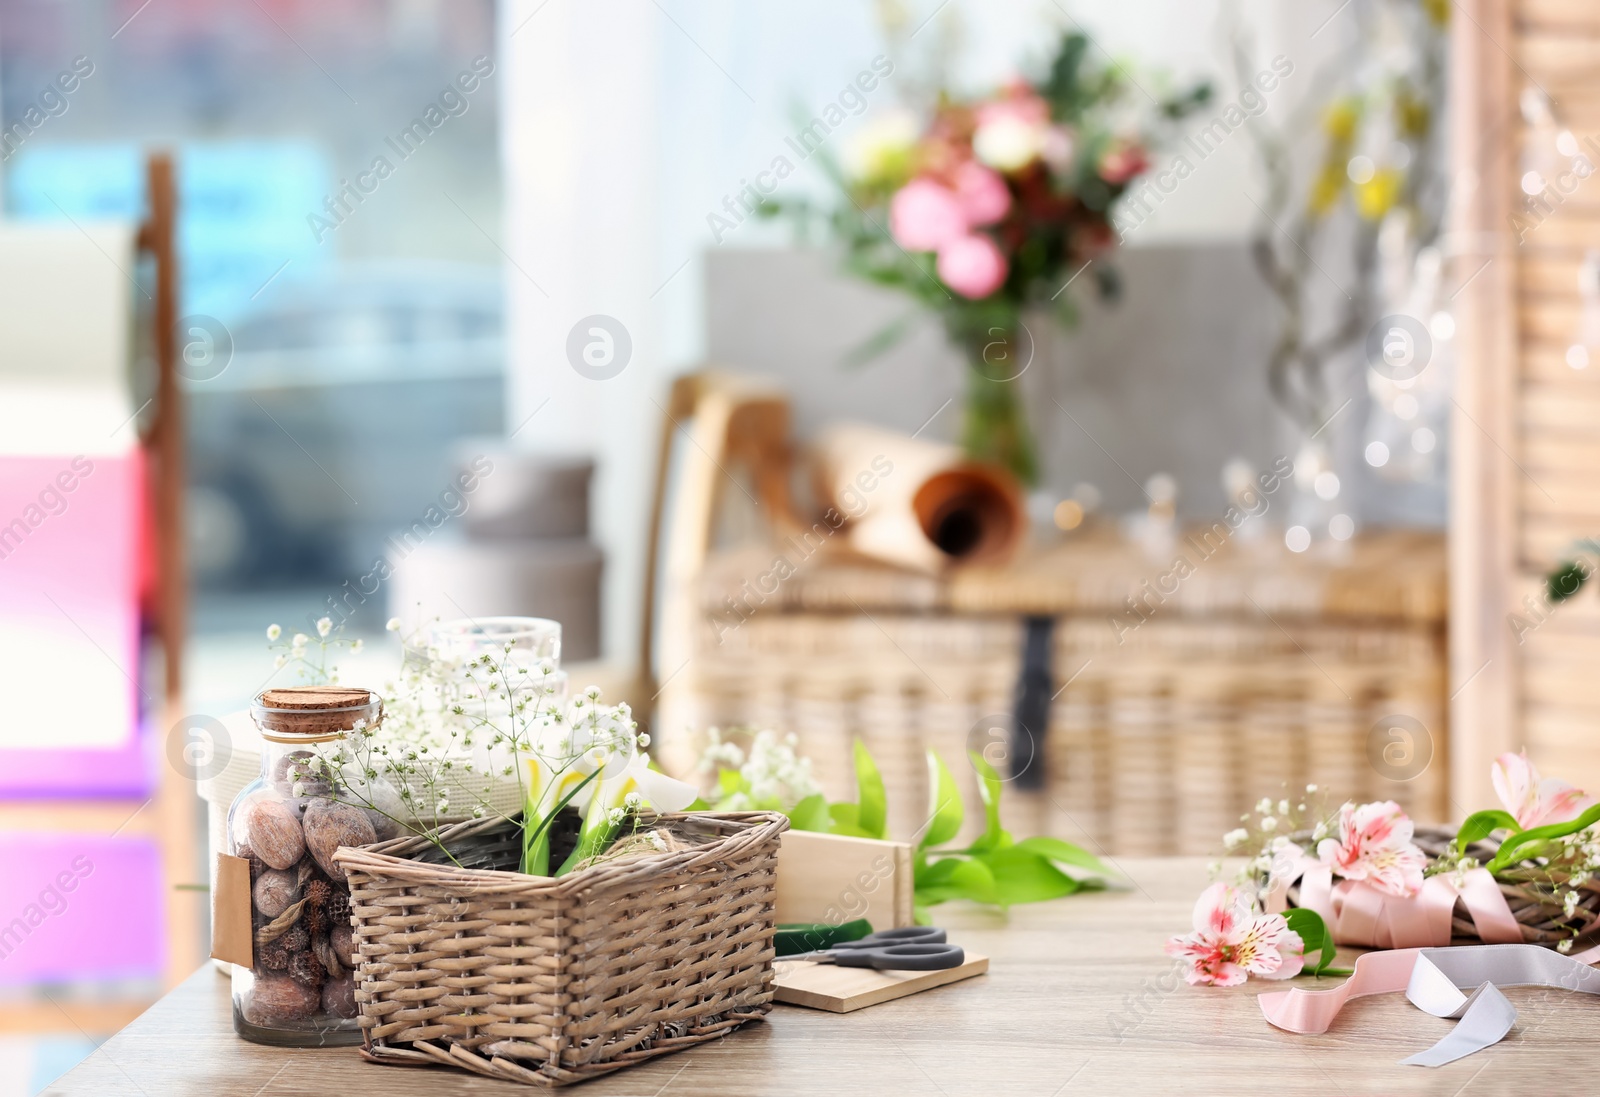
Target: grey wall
1168,380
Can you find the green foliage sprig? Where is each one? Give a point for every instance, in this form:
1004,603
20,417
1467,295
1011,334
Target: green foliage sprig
994,869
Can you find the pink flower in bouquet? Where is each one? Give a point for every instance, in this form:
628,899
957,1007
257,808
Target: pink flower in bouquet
1534,802
1122,161
1374,845
983,195
925,216
1231,941
972,266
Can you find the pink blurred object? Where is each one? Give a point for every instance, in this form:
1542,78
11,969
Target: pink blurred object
983,194
924,216
70,565
79,907
972,266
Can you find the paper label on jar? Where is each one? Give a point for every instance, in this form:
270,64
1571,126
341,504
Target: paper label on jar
230,912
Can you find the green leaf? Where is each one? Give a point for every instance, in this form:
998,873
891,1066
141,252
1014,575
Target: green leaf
945,812
845,820
1314,932
956,878
989,786
1023,876
872,803
810,814
1480,825
1066,853
1508,848
698,805
729,781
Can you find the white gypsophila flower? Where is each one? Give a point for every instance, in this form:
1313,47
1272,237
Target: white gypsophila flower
1264,806
644,739
393,624
279,662
615,816
1283,807
1311,789
1270,823
273,632
1235,838
298,788
324,626
632,800
356,646
1565,946
299,640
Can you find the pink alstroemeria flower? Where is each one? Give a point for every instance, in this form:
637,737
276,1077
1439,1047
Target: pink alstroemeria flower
1231,941
1374,845
1534,802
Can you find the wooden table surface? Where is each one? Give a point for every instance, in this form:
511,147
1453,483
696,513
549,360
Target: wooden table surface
1078,1000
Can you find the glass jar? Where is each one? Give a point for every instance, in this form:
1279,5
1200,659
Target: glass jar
309,800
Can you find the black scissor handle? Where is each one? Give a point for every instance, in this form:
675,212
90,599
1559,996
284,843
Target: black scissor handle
916,956
905,935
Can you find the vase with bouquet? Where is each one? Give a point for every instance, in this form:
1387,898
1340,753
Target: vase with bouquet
987,210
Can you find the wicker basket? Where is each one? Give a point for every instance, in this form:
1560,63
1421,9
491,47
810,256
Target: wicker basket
552,981
1539,914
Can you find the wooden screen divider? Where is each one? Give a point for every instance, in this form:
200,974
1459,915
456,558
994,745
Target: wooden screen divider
1525,447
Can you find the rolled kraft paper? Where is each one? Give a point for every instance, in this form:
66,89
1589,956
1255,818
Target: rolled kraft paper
555,579
915,503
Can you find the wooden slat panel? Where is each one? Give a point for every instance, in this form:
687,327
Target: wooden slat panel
1543,16
1542,274
1558,61
1542,541
1551,320
1558,407
1560,455
1547,362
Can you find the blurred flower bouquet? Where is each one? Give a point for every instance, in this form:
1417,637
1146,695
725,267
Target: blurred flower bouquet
988,211
1365,876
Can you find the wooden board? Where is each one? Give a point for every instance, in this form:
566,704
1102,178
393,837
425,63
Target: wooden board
845,989
832,879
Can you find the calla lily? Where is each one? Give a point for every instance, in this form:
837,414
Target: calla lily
549,790
609,801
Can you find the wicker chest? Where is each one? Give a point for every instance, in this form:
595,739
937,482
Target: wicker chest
1164,705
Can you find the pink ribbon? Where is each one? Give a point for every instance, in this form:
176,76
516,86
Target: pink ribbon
1360,915
1413,970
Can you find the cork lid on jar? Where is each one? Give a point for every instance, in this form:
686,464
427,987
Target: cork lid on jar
313,713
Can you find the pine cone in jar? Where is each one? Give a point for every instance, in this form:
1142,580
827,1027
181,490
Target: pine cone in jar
278,1000
272,956
296,939
339,996
306,969
329,825
273,833
275,892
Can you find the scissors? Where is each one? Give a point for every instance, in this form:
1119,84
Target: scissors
910,948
